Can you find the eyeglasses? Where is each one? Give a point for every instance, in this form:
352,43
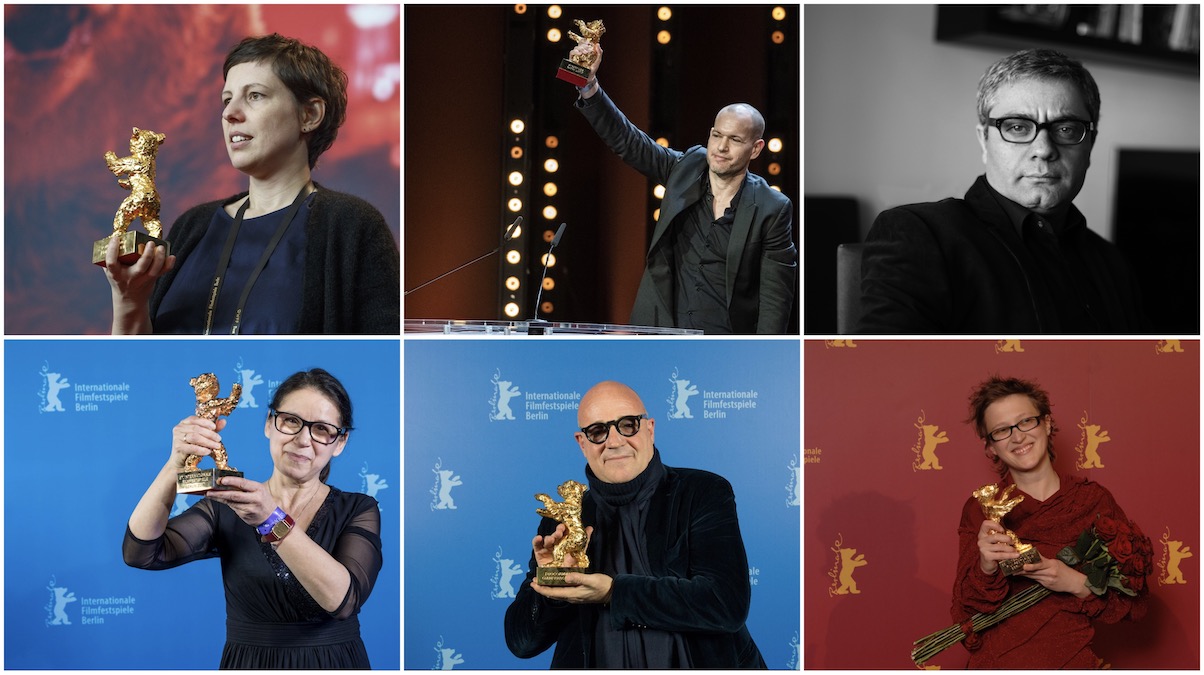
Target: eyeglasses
1026,424
1024,130
288,423
627,426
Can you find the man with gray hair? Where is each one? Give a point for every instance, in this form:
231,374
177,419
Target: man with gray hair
722,257
1015,256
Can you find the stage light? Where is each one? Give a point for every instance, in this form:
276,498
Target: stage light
513,257
776,187
518,232
656,215
548,259
553,35
775,145
516,152
659,192
549,189
554,11
548,236
512,283
517,126
778,37
515,204
516,178
664,14
779,13
520,8
663,37
549,283
551,166
547,307
551,141
511,310
774,168
549,212
663,142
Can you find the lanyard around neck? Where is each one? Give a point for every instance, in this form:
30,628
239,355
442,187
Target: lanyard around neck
224,262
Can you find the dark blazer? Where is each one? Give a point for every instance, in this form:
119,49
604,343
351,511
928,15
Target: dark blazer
700,586
960,266
762,262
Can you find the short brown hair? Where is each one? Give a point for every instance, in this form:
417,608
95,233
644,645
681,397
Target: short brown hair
995,388
307,73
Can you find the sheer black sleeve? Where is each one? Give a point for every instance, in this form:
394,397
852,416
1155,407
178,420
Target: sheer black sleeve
188,537
359,550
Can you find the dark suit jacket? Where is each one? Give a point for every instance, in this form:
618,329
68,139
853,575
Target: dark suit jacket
761,258
959,266
700,588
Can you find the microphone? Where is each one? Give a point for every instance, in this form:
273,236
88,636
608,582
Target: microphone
509,234
546,260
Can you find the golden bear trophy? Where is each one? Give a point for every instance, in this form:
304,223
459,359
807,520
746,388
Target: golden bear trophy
575,69
193,480
143,201
575,539
994,507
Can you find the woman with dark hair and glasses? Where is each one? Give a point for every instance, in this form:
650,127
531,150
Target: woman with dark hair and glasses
299,557
287,255
1014,419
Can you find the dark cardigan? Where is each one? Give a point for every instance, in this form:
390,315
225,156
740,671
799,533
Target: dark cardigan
352,280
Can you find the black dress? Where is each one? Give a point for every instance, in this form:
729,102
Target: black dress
271,620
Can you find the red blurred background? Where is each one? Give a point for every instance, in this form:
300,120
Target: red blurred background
77,78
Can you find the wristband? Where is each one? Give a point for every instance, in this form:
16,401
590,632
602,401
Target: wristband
277,516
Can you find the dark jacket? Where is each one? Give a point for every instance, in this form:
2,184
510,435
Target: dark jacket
762,262
352,267
960,266
700,588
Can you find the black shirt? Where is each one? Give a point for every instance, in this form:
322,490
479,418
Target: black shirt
700,244
1061,268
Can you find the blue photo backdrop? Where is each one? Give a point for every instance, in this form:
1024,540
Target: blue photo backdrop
489,423
88,425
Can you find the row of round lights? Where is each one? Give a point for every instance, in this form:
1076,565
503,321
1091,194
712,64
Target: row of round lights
514,205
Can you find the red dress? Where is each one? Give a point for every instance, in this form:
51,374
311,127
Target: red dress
1056,632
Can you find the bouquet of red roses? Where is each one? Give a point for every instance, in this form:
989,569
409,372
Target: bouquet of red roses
1112,553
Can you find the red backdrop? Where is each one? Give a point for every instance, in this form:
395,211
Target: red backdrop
870,409
78,77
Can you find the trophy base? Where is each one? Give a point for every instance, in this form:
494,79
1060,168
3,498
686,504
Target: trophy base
1016,565
129,249
554,576
202,480
572,73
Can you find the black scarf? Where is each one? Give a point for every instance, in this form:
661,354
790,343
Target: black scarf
622,513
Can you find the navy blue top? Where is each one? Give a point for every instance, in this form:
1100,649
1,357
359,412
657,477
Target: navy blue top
275,302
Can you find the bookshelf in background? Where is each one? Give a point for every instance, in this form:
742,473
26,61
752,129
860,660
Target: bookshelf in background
1164,37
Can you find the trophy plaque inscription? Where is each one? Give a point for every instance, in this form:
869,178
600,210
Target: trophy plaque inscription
192,479
575,539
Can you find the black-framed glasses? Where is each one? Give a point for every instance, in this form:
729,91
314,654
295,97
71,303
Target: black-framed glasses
322,432
1023,130
1026,424
627,426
